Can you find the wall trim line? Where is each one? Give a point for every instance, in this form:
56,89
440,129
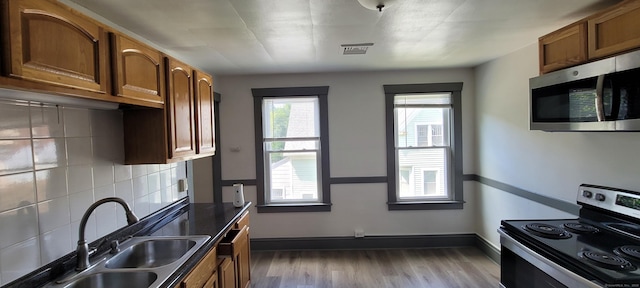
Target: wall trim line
535,197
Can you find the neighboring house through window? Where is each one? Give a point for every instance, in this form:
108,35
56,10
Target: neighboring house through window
292,149
424,146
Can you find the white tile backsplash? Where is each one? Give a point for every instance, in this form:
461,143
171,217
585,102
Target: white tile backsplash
14,121
77,122
17,190
53,214
55,244
46,121
80,178
51,183
49,153
19,259
16,156
79,156
79,151
18,225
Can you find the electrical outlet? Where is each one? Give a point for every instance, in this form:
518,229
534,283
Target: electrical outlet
182,185
359,233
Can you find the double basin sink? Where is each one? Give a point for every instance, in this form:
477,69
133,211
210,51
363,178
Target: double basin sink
140,262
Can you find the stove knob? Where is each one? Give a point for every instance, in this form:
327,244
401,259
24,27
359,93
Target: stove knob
600,197
587,194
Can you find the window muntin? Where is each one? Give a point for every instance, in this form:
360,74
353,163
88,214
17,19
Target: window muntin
422,143
291,143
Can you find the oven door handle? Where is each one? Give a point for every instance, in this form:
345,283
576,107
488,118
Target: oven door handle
561,274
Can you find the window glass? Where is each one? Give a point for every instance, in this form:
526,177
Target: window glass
292,147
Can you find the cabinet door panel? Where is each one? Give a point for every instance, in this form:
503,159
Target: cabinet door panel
226,273
181,110
615,31
138,70
205,120
55,45
563,48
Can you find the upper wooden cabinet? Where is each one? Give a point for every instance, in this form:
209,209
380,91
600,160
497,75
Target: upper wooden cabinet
180,107
563,48
615,30
205,120
606,33
179,131
48,42
138,70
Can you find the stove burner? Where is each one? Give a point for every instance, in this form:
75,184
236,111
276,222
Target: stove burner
607,261
628,250
580,228
546,231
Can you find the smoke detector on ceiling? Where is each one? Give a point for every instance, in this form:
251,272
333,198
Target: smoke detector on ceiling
355,49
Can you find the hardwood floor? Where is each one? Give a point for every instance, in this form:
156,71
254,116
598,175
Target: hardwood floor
402,268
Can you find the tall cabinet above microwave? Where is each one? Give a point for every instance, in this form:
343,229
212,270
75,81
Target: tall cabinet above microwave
597,96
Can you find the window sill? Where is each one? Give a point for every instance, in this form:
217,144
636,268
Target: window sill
297,207
425,205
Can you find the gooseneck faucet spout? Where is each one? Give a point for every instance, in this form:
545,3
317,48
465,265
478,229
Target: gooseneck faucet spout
83,247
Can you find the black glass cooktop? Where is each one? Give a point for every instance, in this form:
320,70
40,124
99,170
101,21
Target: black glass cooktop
586,248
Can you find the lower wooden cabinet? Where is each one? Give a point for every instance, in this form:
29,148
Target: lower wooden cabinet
205,272
236,245
226,273
228,264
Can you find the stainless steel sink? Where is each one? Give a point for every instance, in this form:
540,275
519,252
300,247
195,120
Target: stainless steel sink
151,253
142,262
115,279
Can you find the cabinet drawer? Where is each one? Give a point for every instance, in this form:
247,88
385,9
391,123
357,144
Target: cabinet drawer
203,271
244,221
233,241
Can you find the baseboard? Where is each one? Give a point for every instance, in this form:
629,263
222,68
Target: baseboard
377,242
368,242
488,249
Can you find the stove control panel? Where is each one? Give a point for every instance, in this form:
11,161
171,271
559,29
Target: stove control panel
617,200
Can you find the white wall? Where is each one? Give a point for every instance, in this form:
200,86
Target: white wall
54,163
357,149
551,164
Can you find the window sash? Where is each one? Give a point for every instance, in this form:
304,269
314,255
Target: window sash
443,182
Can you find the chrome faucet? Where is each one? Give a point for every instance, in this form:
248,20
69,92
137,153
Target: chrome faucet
83,248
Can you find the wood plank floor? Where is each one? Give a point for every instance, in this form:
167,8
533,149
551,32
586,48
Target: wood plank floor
402,268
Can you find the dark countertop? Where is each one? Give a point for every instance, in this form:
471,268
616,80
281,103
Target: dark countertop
178,219
201,219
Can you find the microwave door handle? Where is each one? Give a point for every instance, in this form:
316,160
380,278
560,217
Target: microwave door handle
600,98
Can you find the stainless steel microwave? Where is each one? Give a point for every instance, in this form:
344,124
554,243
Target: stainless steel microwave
597,96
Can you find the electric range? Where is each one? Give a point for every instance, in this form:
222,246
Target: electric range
601,248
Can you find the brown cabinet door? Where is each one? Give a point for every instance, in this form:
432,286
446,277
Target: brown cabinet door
236,245
180,109
52,44
138,70
226,273
242,260
614,31
205,121
563,48
213,281
201,274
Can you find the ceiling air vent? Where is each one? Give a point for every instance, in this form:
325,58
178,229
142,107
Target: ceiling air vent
355,49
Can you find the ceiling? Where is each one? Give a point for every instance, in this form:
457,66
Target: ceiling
292,36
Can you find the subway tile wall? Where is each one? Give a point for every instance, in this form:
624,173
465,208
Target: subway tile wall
56,161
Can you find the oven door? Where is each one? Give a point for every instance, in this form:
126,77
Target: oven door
521,267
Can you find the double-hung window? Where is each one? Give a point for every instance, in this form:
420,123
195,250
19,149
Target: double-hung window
291,149
424,146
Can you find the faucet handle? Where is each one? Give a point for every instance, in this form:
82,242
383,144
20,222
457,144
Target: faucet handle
114,247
